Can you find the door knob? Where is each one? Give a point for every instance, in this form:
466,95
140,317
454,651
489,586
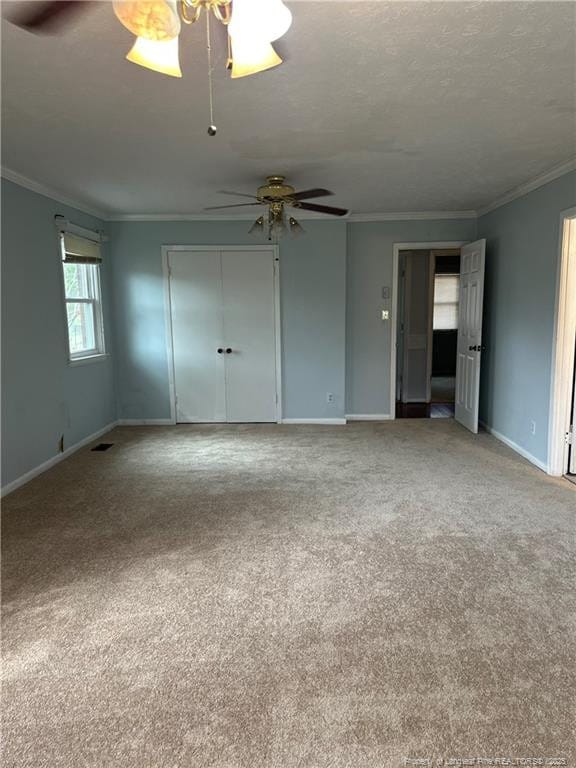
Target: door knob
228,350
220,350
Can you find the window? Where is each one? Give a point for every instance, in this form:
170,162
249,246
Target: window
446,295
81,261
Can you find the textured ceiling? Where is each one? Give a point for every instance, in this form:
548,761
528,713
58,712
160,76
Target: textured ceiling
396,106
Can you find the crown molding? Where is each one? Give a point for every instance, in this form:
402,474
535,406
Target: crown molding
530,186
520,191
304,216
53,194
411,216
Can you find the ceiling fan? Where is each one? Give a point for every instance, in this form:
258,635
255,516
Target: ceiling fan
276,195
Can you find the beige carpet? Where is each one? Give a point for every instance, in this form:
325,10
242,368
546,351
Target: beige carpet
289,596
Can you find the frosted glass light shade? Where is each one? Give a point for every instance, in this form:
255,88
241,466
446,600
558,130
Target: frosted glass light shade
248,58
160,56
259,20
257,228
152,19
295,228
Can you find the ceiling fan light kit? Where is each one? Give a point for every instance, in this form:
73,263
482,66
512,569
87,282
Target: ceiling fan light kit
276,195
252,27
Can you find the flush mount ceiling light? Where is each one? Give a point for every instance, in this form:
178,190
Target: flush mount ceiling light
277,196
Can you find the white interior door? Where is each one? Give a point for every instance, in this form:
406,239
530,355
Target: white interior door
223,314
197,335
472,260
249,332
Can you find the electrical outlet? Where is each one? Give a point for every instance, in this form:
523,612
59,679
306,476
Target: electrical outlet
330,397
532,427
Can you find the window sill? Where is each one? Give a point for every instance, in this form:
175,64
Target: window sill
76,361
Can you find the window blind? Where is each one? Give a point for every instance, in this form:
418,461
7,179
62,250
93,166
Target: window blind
79,250
446,296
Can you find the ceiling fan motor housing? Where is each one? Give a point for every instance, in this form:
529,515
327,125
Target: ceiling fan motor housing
274,189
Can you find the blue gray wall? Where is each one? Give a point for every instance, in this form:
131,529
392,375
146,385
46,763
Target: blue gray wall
42,396
333,337
522,253
370,254
313,313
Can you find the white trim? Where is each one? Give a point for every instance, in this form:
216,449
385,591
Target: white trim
325,422
369,417
41,468
302,216
430,333
529,186
278,334
523,189
53,194
275,250
145,422
88,359
515,447
563,348
168,331
411,216
397,247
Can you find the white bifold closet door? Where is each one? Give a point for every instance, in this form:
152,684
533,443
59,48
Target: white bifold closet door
223,335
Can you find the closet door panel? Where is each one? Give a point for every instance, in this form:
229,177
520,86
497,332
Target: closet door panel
197,334
249,333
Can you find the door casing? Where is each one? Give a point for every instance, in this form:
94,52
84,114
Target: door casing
166,249
444,244
563,348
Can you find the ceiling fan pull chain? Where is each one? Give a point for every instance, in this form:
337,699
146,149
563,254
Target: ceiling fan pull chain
211,128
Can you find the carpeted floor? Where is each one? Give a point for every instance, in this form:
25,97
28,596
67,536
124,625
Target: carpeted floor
289,597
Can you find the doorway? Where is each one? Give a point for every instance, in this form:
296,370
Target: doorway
224,337
562,448
412,329
427,332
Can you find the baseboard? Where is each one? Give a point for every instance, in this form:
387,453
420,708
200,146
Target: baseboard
23,479
326,422
369,417
145,422
515,447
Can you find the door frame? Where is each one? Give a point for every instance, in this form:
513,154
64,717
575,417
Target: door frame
563,348
275,250
397,247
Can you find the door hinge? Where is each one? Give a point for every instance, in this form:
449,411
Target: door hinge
570,435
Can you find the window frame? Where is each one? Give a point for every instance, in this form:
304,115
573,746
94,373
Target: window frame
98,352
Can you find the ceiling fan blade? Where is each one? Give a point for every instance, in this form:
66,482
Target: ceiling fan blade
47,16
323,209
307,194
236,194
235,205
